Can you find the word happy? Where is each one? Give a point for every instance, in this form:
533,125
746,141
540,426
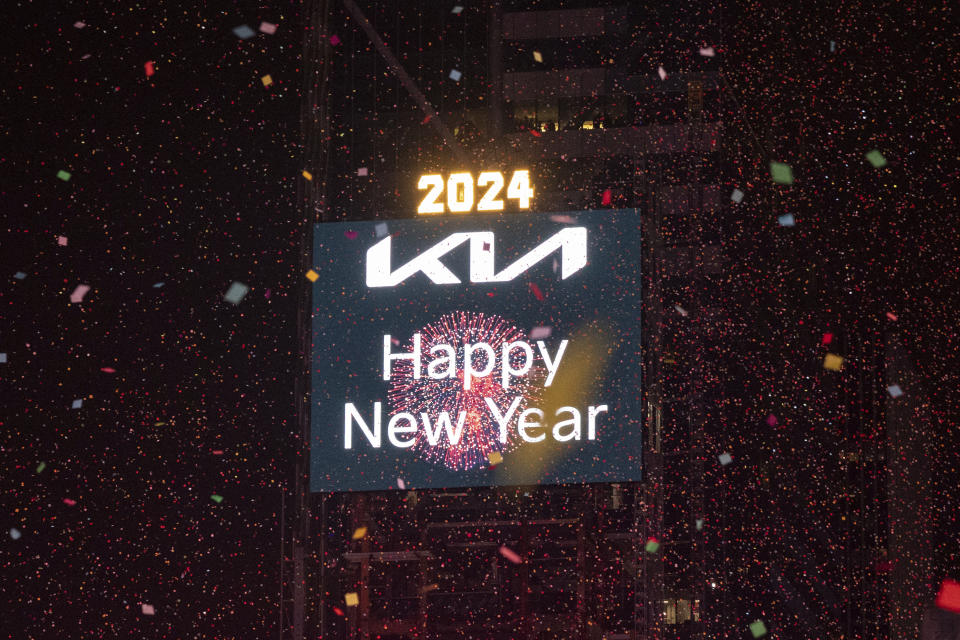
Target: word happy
479,360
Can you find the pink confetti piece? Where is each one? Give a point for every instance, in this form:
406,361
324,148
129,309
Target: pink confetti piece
563,219
363,172
79,292
147,609
662,72
507,553
108,369
268,28
892,316
79,24
334,40
772,420
218,452
69,502
62,241
266,294
350,234
401,484
707,52
683,312
540,332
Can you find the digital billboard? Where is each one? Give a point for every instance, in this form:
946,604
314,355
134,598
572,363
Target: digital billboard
474,350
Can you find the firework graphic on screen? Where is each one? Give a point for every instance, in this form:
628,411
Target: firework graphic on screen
481,433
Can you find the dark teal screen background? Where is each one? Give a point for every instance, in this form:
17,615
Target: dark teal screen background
350,319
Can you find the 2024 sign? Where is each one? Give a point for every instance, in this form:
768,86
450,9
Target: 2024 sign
461,190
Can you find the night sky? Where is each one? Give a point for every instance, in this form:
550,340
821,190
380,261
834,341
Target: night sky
162,486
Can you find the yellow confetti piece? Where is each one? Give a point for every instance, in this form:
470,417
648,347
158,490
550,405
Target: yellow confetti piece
495,457
359,533
833,362
312,275
537,56
351,599
307,175
266,80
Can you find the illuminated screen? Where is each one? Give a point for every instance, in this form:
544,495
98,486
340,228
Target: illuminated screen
476,350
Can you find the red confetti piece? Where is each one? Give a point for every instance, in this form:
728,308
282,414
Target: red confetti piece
607,197
148,68
892,316
536,291
510,555
218,452
949,596
338,611
535,133
827,338
69,502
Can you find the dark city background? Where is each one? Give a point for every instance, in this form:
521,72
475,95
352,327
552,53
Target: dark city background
152,439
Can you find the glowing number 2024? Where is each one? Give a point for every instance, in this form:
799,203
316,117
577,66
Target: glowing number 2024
460,192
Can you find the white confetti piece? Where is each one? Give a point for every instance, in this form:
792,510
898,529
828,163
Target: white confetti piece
707,52
236,293
77,403
538,333
381,229
455,75
507,553
662,72
737,196
15,533
725,459
895,391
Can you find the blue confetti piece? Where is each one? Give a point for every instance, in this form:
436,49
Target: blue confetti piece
3,358
244,32
786,220
157,285
455,75
895,391
77,403
20,275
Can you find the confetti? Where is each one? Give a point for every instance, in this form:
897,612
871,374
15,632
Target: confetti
827,338
781,173
3,358
217,498
334,40
244,32
268,28
662,73
758,629
401,484
652,546
772,420
537,56
236,293
380,229
78,293
306,174
69,502
455,75
495,458
148,68
351,599
79,24
41,467
64,175
62,241
359,533
77,404
876,159
312,275
456,9
707,52
15,533
362,172
539,333
266,80
833,362
725,459
699,524
895,391
948,598
509,554
147,609
20,275
737,196
786,220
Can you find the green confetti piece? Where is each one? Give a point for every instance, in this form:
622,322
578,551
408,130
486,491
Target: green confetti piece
781,173
216,498
64,175
758,629
652,546
876,158
41,467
